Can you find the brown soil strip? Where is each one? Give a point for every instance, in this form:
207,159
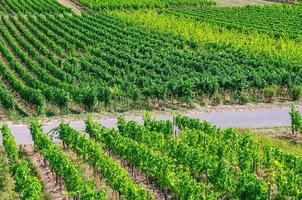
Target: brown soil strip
142,179
241,3
56,190
3,114
69,4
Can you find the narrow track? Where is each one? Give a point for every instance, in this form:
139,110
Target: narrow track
3,114
240,119
70,4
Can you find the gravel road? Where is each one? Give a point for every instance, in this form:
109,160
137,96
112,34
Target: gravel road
241,119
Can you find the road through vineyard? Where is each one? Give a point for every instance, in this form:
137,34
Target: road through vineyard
240,119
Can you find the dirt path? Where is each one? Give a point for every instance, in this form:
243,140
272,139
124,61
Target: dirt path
69,4
240,3
3,114
56,191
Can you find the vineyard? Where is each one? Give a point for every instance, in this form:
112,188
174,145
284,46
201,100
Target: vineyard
276,21
62,57
55,62
62,63
13,7
154,161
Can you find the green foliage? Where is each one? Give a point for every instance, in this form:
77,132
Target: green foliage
116,176
123,66
204,30
6,181
27,186
256,169
2,173
296,120
243,98
249,188
296,92
31,7
154,164
270,92
165,127
63,167
6,99
251,19
136,4
201,162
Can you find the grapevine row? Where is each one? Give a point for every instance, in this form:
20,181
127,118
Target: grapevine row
28,186
252,19
116,177
168,175
31,7
74,180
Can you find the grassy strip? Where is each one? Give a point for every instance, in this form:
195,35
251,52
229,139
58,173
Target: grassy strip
276,137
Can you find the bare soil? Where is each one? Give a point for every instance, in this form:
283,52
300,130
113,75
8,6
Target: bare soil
241,3
3,114
69,4
142,179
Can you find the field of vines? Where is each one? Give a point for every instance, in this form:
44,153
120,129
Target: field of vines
13,7
60,57
277,21
185,159
57,62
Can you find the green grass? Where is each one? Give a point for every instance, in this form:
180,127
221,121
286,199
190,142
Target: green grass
276,138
